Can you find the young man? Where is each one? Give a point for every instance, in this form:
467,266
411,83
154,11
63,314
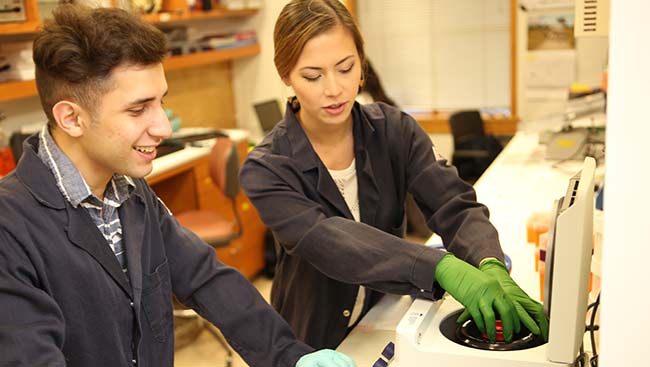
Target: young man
89,257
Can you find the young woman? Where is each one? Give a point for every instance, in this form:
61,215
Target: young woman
330,182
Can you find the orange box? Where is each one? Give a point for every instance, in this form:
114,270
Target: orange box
7,163
538,222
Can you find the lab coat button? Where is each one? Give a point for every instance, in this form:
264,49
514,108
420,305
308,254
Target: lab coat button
131,304
346,313
134,362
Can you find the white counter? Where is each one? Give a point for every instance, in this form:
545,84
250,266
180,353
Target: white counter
177,159
192,151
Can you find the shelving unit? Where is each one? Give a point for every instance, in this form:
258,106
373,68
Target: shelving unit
30,25
26,27
33,22
17,89
174,17
27,88
208,57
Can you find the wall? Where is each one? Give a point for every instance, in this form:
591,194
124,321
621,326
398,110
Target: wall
624,318
202,96
591,56
255,79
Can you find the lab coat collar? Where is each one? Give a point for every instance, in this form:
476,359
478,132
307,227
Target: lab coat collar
302,148
308,161
85,235
133,229
81,230
363,129
42,186
306,157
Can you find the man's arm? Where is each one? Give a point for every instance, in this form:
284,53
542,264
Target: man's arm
32,327
221,295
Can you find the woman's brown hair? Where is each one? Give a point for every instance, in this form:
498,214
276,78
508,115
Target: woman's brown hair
300,21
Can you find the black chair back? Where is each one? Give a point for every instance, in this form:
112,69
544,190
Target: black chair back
474,151
466,126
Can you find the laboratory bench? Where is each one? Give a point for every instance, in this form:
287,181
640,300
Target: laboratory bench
518,183
182,181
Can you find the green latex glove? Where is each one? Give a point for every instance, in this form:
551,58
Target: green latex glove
481,295
325,358
530,312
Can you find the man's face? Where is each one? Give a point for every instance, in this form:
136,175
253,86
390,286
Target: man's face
129,122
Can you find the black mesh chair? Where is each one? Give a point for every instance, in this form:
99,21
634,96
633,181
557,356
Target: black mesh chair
474,151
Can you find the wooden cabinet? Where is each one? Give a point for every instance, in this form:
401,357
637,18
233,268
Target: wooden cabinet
189,187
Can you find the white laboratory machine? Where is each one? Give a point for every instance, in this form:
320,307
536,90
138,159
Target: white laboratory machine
428,335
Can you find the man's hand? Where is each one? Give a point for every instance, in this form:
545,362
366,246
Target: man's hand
530,312
325,358
481,295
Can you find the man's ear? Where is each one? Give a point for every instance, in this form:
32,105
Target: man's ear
68,117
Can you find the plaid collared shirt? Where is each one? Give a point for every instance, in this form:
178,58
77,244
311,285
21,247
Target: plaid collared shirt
75,189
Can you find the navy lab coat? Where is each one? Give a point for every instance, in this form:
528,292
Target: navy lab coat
324,255
64,300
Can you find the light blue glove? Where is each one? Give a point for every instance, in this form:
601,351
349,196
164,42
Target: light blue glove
325,358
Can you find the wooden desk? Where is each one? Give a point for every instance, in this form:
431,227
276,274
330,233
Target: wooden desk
183,182
436,122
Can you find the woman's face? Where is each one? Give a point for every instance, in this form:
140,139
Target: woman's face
326,78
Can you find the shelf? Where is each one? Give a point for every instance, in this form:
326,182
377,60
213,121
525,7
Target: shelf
162,18
21,89
17,89
15,28
209,57
32,26
27,88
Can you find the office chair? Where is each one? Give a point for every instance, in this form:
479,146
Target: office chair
474,151
211,227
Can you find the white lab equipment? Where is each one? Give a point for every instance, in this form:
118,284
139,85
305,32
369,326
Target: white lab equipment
428,336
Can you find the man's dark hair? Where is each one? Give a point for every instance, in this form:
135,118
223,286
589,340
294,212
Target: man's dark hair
77,50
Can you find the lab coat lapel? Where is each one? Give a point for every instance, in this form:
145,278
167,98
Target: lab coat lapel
311,165
84,234
328,190
368,189
369,195
131,216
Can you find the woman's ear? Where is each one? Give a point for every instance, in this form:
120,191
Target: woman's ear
68,118
286,82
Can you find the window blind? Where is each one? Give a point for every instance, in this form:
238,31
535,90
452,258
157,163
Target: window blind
440,54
